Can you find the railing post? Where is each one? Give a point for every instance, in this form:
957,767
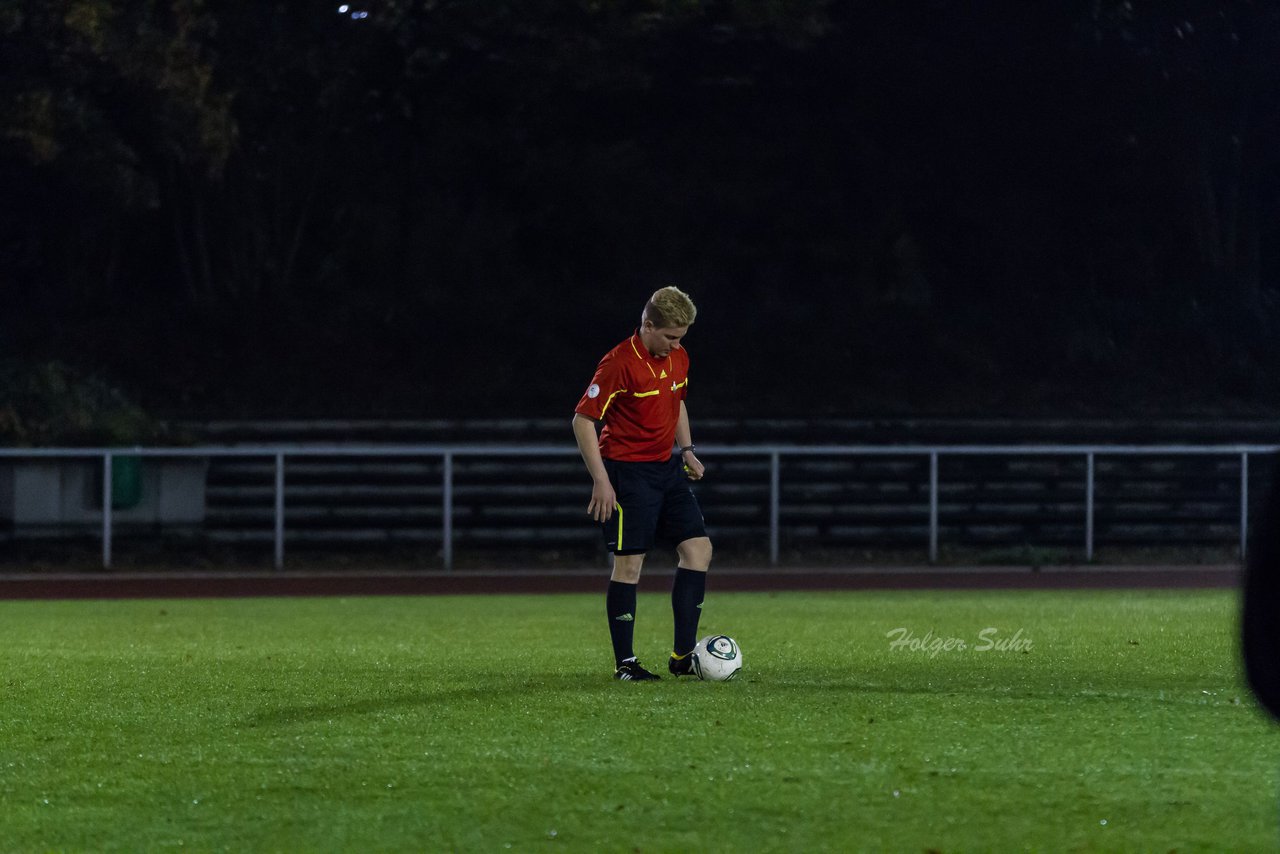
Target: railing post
1244,504
279,529
106,510
447,522
933,507
775,502
1088,507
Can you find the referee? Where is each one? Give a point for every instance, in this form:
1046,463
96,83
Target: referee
639,493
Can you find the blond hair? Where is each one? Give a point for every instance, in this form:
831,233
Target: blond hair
668,308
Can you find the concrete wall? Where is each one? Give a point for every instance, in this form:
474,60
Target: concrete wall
51,496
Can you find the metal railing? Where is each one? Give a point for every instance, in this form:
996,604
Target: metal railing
448,453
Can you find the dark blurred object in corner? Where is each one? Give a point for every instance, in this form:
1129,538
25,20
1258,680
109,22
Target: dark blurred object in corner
1261,620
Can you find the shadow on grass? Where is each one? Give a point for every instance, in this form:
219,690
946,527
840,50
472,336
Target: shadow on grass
507,690
793,686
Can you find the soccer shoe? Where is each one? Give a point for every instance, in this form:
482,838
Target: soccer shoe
631,671
681,665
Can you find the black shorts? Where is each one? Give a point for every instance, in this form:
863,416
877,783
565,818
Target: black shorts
654,505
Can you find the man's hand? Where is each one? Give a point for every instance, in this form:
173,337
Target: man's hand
603,500
602,494
693,467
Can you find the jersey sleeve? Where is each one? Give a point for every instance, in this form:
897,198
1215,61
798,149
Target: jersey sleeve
609,381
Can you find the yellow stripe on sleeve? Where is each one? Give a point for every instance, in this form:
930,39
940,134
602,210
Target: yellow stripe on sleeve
610,400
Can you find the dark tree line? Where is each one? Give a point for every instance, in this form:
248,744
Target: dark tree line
452,208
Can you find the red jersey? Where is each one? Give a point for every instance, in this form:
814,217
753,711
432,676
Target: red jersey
638,397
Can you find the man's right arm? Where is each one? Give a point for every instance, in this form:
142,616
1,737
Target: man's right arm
602,494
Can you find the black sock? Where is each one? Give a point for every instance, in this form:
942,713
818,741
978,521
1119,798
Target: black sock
686,606
620,604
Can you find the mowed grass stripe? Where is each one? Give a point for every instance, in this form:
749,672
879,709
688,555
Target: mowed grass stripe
1117,721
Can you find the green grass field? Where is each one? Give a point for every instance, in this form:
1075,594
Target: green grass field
490,723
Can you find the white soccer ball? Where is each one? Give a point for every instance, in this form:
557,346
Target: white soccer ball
717,658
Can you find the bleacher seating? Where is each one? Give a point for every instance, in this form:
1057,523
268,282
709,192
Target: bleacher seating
825,501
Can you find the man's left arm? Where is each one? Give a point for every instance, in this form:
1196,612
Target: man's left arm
693,467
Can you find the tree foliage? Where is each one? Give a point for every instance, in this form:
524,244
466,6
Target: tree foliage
97,101
50,403
1004,208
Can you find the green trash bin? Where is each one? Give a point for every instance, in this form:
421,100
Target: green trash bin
126,482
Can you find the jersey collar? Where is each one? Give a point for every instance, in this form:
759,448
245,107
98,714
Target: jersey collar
643,354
